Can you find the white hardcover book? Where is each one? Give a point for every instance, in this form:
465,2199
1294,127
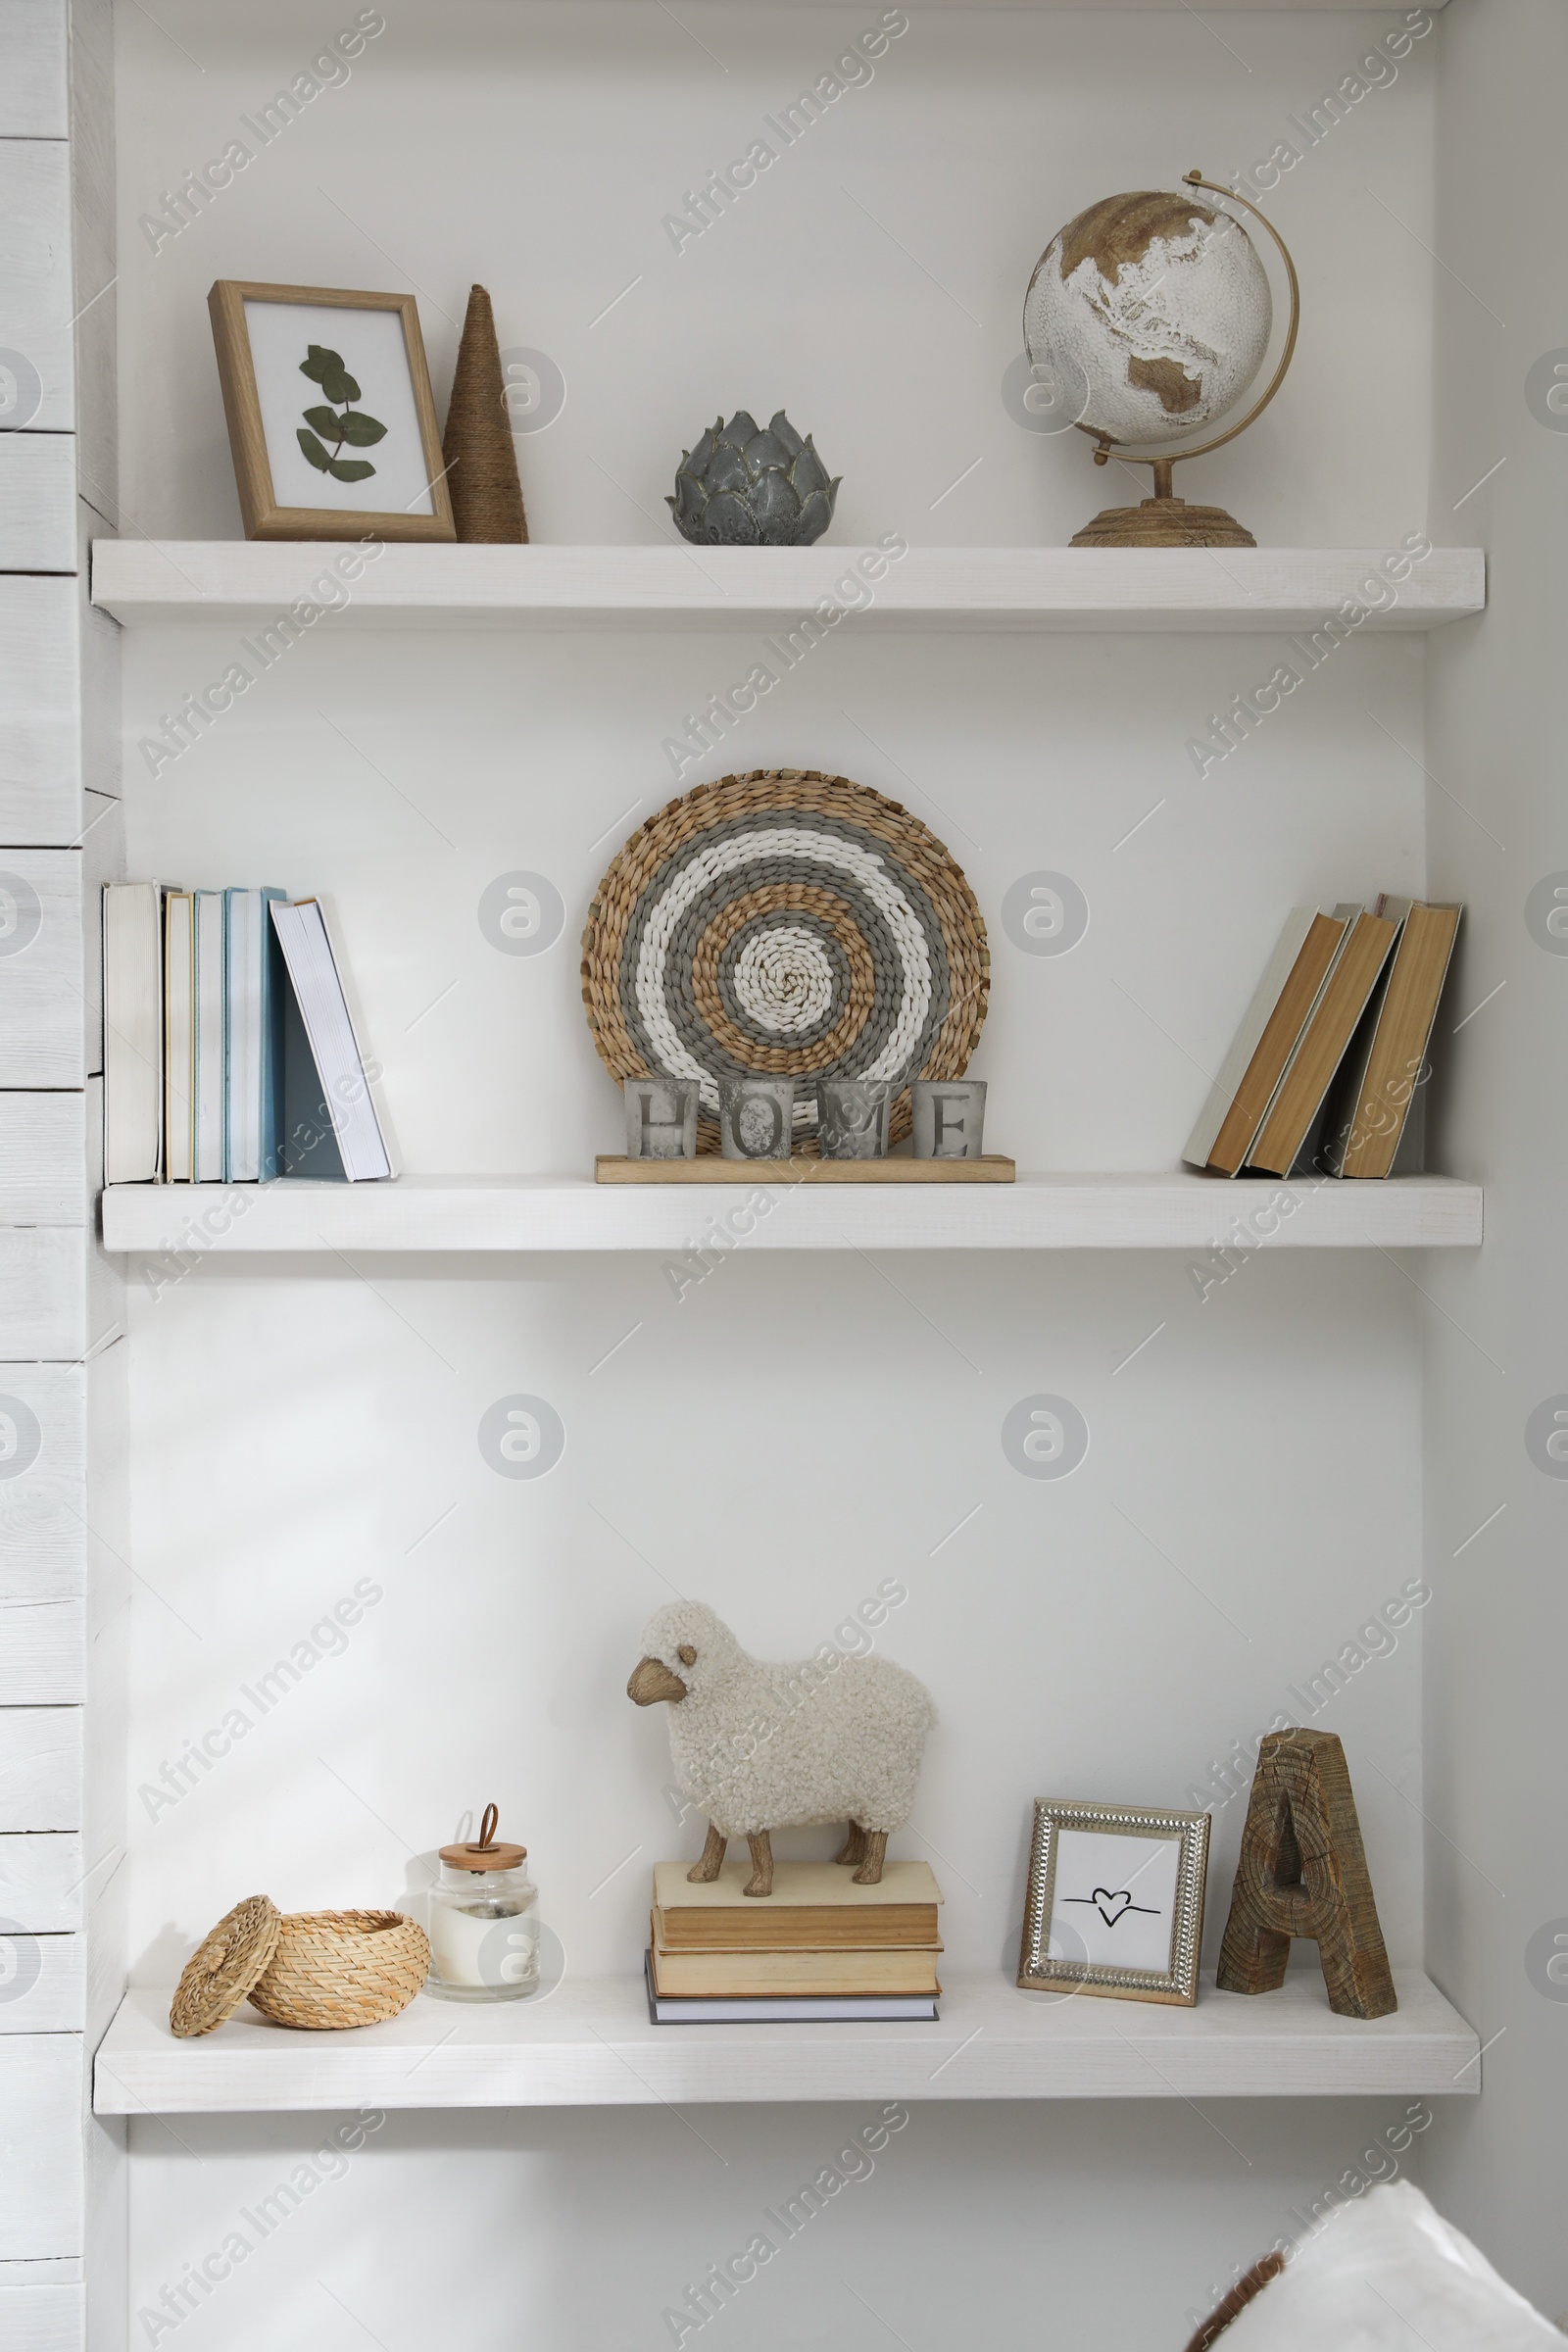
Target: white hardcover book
180,1039
133,1033
211,1043
346,1074
1234,1069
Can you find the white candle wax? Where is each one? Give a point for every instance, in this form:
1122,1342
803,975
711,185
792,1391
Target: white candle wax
483,1944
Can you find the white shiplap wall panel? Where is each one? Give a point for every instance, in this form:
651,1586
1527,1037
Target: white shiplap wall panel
40,2145
41,1765
43,1503
92,183
32,82
43,1294
48,990
37,502
41,956
42,1655
41,754
41,1885
43,1159
42,1984
39,301
98,639
103,859
41,2318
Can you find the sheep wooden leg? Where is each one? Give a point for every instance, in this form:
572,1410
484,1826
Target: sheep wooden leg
869,1873
760,1881
703,1872
854,1848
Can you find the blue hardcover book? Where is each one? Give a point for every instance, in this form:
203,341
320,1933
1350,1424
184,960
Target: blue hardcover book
209,928
253,1107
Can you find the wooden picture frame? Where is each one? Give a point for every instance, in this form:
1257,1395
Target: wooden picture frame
1085,1927
280,457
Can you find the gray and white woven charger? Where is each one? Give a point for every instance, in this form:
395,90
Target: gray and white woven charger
791,924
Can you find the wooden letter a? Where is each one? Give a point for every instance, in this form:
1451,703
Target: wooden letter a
1302,1872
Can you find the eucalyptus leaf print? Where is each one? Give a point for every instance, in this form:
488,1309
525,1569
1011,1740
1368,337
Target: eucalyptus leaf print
352,429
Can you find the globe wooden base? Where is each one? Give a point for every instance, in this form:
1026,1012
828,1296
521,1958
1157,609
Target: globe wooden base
1163,522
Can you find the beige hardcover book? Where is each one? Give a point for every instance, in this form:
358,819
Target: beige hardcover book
1376,1105
1345,995
179,1038
813,1905
133,1033
738,1975
1281,1007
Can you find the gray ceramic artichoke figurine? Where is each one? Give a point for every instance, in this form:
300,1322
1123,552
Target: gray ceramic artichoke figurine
741,487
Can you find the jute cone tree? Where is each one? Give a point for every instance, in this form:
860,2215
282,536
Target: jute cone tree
478,449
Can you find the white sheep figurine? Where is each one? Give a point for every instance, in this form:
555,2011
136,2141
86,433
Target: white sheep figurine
765,1748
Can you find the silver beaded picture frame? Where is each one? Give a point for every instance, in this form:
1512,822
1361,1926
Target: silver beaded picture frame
1115,1902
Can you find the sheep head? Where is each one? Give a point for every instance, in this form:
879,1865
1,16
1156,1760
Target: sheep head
686,1648
651,1679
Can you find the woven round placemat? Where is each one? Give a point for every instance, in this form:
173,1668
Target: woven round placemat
790,924
221,1970
342,1968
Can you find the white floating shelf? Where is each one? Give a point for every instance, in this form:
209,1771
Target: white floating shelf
247,585
1266,8
1102,8
566,1212
589,2045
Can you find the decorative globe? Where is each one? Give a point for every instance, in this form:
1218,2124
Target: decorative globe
1156,310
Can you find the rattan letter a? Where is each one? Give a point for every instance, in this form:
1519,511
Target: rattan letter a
1302,1872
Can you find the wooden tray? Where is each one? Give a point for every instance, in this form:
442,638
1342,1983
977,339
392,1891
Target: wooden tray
612,1169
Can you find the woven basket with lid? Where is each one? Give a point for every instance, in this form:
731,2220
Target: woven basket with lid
306,1968
342,1968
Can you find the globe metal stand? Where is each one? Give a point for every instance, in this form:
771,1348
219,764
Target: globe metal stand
1166,521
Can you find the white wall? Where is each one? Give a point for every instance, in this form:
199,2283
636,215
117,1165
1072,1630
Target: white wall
537,149
783,1437
1496,1886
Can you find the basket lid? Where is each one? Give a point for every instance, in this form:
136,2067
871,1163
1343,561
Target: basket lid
224,1968
485,1853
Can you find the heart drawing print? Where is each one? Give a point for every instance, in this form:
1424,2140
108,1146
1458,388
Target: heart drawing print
1113,1904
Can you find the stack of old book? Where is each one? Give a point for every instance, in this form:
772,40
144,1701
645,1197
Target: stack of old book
818,1948
1328,1070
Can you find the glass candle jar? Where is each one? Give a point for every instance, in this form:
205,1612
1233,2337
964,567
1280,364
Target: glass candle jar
484,1922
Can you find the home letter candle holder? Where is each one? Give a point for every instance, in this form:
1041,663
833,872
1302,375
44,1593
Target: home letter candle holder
661,1118
853,1115
949,1118
756,1117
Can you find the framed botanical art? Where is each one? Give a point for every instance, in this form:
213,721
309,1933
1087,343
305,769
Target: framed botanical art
1115,1902
329,413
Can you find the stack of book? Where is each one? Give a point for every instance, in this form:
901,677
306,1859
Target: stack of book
817,1949
229,1048
1327,1068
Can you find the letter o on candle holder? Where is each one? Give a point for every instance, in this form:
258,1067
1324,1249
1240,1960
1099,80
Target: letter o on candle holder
756,1117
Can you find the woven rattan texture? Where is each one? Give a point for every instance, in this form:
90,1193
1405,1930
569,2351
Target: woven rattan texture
343,1967
222,1969
787,923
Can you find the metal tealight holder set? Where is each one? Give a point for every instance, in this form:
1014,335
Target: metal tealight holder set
756,1116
